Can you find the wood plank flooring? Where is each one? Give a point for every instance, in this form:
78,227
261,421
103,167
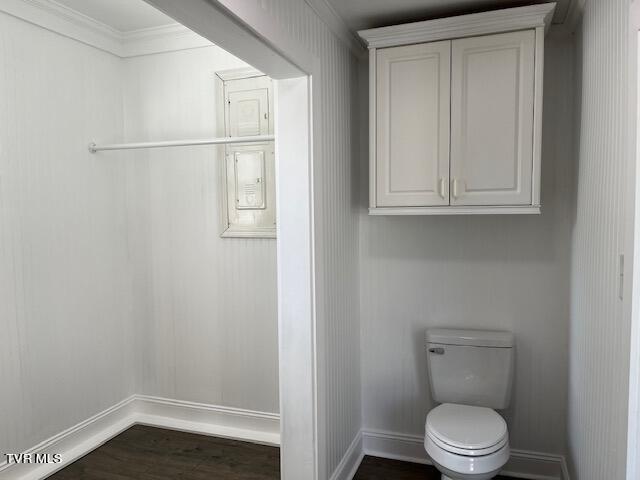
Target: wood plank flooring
148,453
373,468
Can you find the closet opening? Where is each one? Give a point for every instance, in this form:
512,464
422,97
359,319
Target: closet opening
159,229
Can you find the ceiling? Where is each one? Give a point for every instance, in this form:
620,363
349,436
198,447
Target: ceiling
122,15
360,14
130,15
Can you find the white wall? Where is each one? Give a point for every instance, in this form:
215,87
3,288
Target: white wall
633,438
335,181
208,332
65,297
487,272
113,277
337,280
300,33
599,340
336,242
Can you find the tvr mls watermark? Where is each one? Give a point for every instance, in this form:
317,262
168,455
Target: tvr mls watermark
39,458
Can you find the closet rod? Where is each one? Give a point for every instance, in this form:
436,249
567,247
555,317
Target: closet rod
93,148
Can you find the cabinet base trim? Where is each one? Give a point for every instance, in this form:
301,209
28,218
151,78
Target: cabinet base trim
476,210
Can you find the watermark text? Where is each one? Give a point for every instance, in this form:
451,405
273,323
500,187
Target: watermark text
21,458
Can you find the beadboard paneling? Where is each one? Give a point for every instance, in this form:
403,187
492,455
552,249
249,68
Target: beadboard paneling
209,334
336,228
599,341
65,302
299,33
488,272
335,181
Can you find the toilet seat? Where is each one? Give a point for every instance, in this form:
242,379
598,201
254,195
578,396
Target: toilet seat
463,466
466,430
465,451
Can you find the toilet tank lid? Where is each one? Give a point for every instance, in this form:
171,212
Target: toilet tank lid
476,338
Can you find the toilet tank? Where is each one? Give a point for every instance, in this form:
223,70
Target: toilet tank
470,367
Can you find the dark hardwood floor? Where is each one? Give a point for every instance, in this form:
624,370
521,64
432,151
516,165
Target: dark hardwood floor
373,468
148,453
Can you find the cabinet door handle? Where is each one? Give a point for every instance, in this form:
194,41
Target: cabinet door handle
455,189
442,187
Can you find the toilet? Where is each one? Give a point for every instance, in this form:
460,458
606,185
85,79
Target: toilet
470,376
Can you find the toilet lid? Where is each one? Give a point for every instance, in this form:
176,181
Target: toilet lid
466,427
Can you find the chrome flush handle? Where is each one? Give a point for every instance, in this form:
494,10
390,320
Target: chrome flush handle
437,350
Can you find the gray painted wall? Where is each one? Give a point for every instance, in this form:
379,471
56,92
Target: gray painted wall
486,272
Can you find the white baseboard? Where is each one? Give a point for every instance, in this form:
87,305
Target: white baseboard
349,464
247,425
74,442
536,466
77,441
396,446
227,422
410,448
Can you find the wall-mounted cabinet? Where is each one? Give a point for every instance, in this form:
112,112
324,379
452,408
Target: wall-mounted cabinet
456,113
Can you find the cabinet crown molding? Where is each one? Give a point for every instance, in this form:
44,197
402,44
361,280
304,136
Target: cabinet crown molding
470,25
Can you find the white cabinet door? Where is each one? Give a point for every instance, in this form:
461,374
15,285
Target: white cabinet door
250,190
492,99
248,106
248,112
412,130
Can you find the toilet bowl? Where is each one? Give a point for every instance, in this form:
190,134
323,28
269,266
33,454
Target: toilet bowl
466,442
470,374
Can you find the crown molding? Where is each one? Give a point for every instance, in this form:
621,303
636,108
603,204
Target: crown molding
167,38
65,21
332,19
484,23
59,19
